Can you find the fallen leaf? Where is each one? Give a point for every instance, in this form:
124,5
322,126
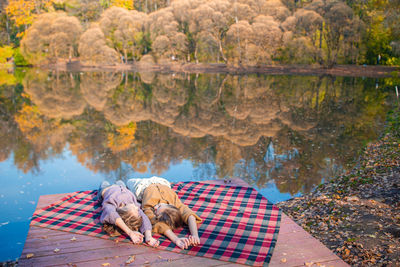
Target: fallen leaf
283,260
73,239
130,259
106,264
146,262
347,252
56,250
308,263
159,257
30,255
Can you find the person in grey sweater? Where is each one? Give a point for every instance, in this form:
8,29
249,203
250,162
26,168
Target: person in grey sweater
121,213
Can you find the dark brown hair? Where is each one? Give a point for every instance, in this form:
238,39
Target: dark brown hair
131,221
171,216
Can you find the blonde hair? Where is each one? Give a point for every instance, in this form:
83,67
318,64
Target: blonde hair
130,220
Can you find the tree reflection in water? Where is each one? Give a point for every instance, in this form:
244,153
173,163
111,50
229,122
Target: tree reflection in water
292,130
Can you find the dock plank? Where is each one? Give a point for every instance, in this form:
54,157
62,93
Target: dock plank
294,247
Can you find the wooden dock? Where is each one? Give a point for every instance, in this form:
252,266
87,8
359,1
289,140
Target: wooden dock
46,247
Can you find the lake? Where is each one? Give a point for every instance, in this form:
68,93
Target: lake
67,131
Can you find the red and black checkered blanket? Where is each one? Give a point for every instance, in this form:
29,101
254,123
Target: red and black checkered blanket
239,224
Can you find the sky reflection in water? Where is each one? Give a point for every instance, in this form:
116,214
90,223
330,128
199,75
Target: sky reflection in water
68,131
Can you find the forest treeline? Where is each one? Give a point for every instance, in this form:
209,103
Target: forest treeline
236,32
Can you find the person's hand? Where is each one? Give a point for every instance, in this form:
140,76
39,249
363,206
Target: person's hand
136,237
152,242
194,240
183,243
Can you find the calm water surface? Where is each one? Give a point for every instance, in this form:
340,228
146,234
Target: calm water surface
63,132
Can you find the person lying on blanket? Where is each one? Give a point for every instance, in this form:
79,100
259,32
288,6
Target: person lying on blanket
165,210
121,212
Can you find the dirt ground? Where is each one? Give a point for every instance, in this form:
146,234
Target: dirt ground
357,215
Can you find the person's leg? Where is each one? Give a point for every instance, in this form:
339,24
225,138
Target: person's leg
103,185
137,186
160,180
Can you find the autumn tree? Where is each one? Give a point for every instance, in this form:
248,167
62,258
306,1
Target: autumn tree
93,48
53,36
241,11
8,30
382,38
127,4
24,12
308,37
168,42
266,39
275,9
208,25
5,53
239,35
85,10
148,6
125,30
341,26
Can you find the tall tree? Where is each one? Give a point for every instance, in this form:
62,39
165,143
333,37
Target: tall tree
23,12
125,30
93,48
51,37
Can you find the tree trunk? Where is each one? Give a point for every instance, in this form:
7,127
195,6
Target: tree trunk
221,51
8,31
239,50
195,55
70,54
320,36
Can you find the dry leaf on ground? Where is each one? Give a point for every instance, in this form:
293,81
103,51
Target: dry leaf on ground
130,259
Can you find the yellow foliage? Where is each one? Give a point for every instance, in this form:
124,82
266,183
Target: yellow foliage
127,4
5,52
23,12
7,78
29,118
122,139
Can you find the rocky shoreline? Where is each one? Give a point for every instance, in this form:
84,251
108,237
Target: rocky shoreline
357,215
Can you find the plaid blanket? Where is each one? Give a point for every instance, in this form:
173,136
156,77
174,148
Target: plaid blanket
239,224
